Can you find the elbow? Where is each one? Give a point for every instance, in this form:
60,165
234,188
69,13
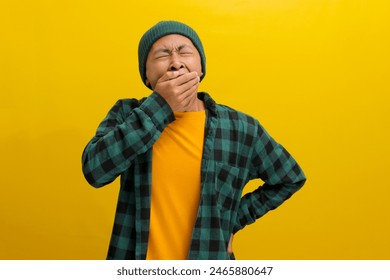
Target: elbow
301,182
300,178
90,173
96,176
298,184
93,181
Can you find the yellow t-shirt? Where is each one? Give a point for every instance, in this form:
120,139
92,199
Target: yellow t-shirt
176,166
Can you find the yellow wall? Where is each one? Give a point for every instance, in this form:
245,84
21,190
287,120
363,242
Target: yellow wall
314,72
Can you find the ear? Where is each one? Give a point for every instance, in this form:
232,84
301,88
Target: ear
147,82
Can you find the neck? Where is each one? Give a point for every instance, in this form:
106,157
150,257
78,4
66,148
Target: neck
198,105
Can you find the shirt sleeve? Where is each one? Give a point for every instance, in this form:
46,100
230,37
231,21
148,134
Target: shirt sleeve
281,174
129,129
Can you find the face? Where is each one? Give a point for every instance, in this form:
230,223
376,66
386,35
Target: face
171,53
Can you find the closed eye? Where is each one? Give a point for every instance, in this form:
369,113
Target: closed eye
162,55
185,50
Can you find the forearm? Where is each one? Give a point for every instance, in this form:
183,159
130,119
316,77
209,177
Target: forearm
122,136
282,175
267,197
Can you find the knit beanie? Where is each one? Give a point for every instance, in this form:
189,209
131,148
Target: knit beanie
162,29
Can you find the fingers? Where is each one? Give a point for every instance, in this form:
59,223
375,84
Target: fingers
170,75
179,88
179,77
187,81
182,84
186,78
189,96
230,245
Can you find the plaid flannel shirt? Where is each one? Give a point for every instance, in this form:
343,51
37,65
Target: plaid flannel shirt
236,150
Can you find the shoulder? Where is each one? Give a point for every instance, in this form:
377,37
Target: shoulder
129,102
225,112
230,118
126,105
240,120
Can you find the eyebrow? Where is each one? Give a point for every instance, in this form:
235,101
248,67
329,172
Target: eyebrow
166,50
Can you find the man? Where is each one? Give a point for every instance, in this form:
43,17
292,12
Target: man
183,159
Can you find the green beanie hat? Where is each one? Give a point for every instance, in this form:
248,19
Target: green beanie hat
162,29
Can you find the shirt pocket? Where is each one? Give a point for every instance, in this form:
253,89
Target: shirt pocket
226,185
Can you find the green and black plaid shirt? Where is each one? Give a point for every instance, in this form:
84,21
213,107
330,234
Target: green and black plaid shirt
236,150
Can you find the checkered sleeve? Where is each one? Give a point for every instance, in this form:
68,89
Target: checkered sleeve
130,128
280,172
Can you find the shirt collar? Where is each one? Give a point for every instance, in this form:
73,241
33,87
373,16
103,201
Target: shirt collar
209,103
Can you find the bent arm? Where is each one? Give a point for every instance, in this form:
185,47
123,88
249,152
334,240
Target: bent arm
282,176
128,130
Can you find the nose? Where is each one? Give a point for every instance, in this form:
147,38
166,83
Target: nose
175,63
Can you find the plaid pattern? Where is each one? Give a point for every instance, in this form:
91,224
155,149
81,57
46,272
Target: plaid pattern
236,150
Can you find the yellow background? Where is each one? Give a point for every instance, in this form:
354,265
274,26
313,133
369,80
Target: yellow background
314,72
